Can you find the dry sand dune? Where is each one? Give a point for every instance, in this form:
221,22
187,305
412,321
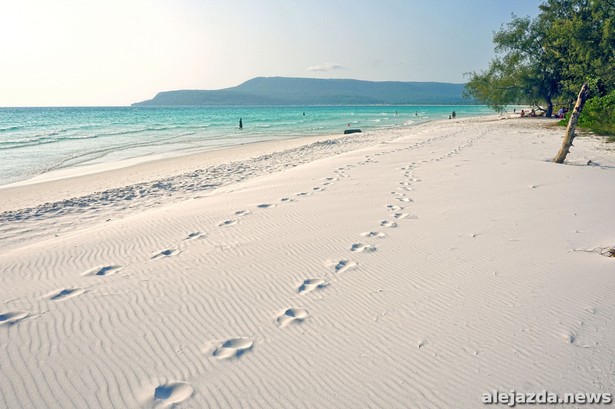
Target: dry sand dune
417,268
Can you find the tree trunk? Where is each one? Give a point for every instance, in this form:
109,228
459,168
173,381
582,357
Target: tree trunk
549,108
572,124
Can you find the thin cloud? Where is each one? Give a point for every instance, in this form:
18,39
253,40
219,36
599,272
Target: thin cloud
326,67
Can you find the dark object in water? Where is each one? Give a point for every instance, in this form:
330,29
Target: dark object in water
347,131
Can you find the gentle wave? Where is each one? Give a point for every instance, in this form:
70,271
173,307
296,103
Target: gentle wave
10,128
52,136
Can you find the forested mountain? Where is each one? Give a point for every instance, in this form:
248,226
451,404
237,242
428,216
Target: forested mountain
310,91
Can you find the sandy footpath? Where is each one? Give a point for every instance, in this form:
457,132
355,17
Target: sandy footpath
402,269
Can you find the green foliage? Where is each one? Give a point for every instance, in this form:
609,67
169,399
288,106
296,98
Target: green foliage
598,115
548,58
581,37
518,73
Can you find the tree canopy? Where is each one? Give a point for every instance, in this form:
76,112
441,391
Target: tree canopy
546,59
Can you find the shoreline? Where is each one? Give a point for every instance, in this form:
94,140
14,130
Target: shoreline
82,180
68,142
79,181
77,171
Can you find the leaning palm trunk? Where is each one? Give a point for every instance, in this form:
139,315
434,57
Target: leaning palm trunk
572,124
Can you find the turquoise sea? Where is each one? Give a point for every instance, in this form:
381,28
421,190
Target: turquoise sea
37,140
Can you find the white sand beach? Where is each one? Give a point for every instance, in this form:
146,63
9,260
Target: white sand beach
414,268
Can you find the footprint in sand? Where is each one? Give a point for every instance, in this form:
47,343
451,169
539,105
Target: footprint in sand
318,189
292,315
103,271
265,205
387,223
404,199
12,317
304,194
65,294
569,338
401,215
358,247
343,265
230,222
329,181
374,234
173,392
194,235
311,284
165,253
286,200
233,348
572,339
394,208
242,212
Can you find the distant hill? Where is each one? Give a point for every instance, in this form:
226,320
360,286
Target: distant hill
311,91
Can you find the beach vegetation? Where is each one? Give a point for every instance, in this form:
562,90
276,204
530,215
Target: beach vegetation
544,60
599,115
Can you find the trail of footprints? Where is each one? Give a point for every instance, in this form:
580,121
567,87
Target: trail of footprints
169,393
233,348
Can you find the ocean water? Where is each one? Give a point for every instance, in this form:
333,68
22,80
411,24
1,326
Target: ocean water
34,141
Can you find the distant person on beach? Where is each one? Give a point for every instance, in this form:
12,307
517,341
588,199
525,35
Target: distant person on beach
522,113
240,124
454,114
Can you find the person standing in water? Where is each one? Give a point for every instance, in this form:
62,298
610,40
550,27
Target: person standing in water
240,124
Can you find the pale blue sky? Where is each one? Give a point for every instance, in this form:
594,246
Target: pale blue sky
115,52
